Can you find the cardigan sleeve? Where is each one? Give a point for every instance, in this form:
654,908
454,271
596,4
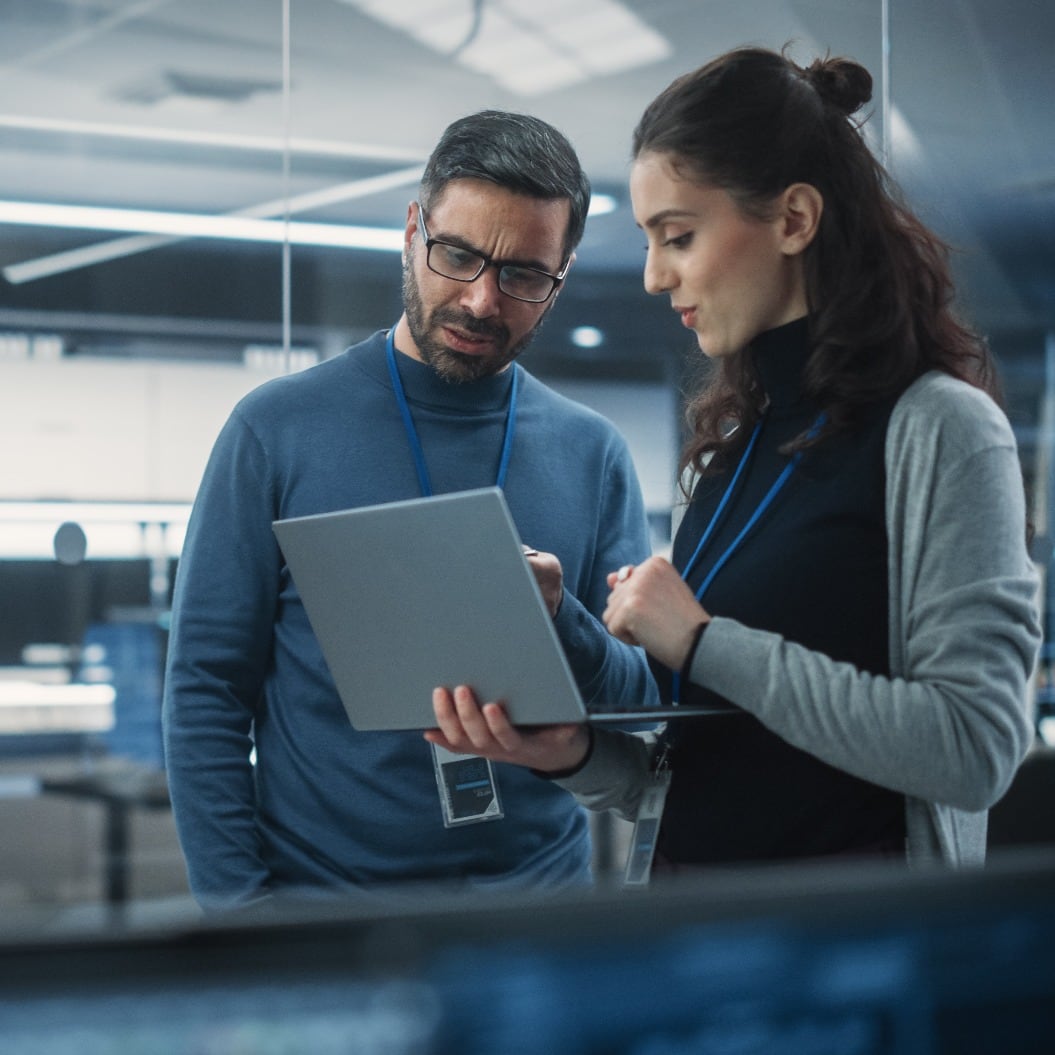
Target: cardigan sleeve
950,725
616,773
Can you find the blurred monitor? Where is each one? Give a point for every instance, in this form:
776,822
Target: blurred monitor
78,629
837,960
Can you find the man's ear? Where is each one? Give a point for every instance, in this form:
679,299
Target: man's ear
410,230
800,209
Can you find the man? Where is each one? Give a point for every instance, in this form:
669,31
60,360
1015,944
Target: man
435,405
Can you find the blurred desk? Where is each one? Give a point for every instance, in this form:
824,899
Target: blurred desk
120,790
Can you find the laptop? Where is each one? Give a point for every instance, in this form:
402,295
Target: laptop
410,595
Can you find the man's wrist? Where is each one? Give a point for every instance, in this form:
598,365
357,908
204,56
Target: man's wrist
570,771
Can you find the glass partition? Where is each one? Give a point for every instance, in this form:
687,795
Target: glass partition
142,209
196,197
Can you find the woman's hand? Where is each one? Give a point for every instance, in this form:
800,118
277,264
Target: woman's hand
467,728
651,606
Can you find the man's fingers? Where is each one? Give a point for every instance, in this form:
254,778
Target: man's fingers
476,727
467,727
447,716
498,722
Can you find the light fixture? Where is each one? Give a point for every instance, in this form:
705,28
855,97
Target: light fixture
199,225
115,248
587,337
299,146
155,229
527,48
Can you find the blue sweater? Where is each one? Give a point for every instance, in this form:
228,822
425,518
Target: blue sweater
325,806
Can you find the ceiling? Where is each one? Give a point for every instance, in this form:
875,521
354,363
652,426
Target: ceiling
178,105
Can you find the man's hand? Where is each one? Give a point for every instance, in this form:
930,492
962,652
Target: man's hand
550,577
467,728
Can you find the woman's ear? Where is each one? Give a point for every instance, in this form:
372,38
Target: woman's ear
800,209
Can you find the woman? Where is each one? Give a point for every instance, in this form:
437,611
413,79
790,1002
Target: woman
851,571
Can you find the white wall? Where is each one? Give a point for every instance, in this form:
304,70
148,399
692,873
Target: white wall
105,430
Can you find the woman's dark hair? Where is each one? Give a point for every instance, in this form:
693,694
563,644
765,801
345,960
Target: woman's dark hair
516,151
878,286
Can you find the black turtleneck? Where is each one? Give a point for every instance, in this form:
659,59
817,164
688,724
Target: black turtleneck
814,570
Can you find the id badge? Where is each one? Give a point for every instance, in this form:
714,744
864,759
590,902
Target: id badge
646,829
468,792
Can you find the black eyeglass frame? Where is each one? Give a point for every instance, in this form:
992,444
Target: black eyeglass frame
486,262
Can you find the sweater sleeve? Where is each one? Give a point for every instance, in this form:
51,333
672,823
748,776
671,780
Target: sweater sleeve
609,672
951,725
219,647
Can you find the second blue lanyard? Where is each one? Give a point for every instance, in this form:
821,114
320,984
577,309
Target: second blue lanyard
412,433
752,520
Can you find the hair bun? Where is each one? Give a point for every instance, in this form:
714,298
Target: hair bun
844,83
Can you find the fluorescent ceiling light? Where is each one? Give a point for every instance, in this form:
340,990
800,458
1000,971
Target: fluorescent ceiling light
528,49
100,252
231,141
199,225
112,249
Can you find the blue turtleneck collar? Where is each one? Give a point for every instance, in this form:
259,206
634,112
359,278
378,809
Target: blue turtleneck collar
425,387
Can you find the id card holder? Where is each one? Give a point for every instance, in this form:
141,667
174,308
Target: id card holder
646,826
468,792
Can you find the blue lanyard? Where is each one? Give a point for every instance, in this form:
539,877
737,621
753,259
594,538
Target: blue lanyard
756,516
412,433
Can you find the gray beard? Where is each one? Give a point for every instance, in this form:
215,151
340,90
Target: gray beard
455,366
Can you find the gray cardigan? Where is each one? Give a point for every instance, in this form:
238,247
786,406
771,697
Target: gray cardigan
950,726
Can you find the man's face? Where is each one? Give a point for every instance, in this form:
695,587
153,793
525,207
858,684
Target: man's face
469,330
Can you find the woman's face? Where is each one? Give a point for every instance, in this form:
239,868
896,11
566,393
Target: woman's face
730,276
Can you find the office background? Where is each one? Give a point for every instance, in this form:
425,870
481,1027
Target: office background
188,190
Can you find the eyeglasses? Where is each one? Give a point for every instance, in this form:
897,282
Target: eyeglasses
465,265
